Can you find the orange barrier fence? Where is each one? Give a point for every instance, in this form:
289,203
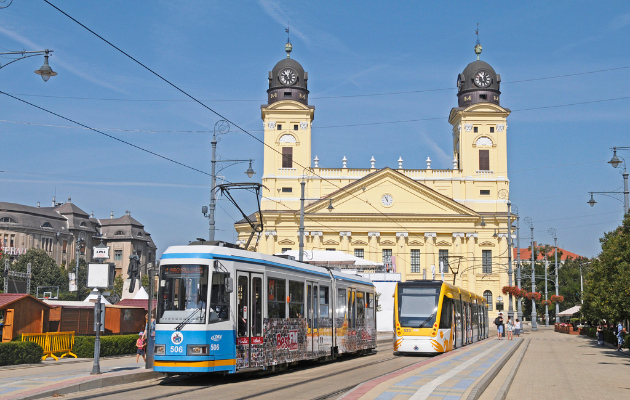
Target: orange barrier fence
52,342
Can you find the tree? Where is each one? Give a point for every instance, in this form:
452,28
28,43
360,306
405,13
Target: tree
118,286
607,285
44,270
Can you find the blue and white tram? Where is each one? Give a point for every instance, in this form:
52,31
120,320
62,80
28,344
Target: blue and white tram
223,309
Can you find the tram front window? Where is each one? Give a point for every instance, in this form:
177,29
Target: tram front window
417,306
183,294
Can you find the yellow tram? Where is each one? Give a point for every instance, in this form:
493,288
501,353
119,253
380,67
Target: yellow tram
436,317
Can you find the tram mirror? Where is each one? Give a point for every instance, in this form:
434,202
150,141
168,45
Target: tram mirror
229,285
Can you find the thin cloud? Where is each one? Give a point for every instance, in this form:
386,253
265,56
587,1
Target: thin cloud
619,22
58,61
441,154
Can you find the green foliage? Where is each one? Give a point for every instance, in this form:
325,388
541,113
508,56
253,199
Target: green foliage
145,282
13,353
118,286
44,270
110,345
607,285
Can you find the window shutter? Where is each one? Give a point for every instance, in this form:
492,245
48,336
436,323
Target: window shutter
287,157
484,160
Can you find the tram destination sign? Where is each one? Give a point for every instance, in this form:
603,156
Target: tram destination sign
179,270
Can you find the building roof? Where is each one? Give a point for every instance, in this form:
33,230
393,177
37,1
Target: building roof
70,208
9,298
137,303
526,254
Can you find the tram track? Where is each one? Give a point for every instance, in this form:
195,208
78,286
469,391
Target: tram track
267,383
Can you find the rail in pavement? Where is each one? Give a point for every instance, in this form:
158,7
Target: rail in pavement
453,375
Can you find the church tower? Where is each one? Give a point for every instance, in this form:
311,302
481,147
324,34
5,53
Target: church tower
287,122
479,136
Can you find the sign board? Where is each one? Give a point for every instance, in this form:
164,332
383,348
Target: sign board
101,276
72,284
100,253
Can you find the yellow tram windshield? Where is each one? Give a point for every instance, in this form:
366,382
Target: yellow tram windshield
417,306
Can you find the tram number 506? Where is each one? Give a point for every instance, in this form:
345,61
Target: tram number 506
177,349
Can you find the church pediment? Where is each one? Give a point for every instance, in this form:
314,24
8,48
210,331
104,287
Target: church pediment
487,244
331,242
387,191
286,241
359,242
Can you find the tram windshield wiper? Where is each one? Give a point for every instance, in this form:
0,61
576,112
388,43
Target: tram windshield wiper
427,320
187,320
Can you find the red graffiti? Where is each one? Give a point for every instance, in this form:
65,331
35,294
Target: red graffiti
289,341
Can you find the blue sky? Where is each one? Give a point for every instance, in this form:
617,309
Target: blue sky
221,52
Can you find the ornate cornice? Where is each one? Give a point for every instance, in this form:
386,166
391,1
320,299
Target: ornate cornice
459,234
472,235
345,234
402,234
374,234
430,234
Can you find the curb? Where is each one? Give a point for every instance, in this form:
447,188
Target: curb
505,388
98,383
51,364
487,379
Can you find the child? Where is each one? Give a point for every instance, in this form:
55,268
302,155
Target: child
517,328
140,345
510,328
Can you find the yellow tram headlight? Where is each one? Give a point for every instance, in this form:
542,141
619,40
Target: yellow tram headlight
159,349
197,350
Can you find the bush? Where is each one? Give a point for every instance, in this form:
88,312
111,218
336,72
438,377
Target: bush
110,345
13,353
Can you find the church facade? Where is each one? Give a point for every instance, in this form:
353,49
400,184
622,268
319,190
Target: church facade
420,222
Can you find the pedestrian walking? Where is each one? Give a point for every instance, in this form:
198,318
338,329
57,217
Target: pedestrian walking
498,321
517,328
600,334
140,344
621,331
510,328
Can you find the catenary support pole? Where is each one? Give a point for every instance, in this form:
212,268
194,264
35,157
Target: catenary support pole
302,189
519,310
534,325
555,245
510,271
213,182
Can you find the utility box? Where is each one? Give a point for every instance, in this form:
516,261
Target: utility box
101,276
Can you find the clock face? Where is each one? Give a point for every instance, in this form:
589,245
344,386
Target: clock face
287,77
482,79
387,200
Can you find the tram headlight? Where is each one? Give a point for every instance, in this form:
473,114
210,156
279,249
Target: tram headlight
159,349
197,350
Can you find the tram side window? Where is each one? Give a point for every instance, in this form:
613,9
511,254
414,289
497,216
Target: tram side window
369,300
276,304
323,302
219,298
296,299
360,306
447,313
341,304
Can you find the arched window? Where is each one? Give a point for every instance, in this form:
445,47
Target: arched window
46,225
488,296
484,141
119,233
287,139
83,224
7,219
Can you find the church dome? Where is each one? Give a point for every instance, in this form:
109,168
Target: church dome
288,81
478,83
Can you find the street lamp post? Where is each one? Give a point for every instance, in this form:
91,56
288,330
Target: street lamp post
44,71
302,199
555,246
220,128
80,241
528,221
510,272
519,310
546,292
615,161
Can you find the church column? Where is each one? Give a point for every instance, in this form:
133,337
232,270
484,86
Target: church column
458,250
270,237
429,256
317,239
472,265
502,268
345,241
373,248
403,258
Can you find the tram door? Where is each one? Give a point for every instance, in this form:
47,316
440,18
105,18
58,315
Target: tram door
312,305
250,307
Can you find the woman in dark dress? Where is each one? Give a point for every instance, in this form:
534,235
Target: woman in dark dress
600,334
